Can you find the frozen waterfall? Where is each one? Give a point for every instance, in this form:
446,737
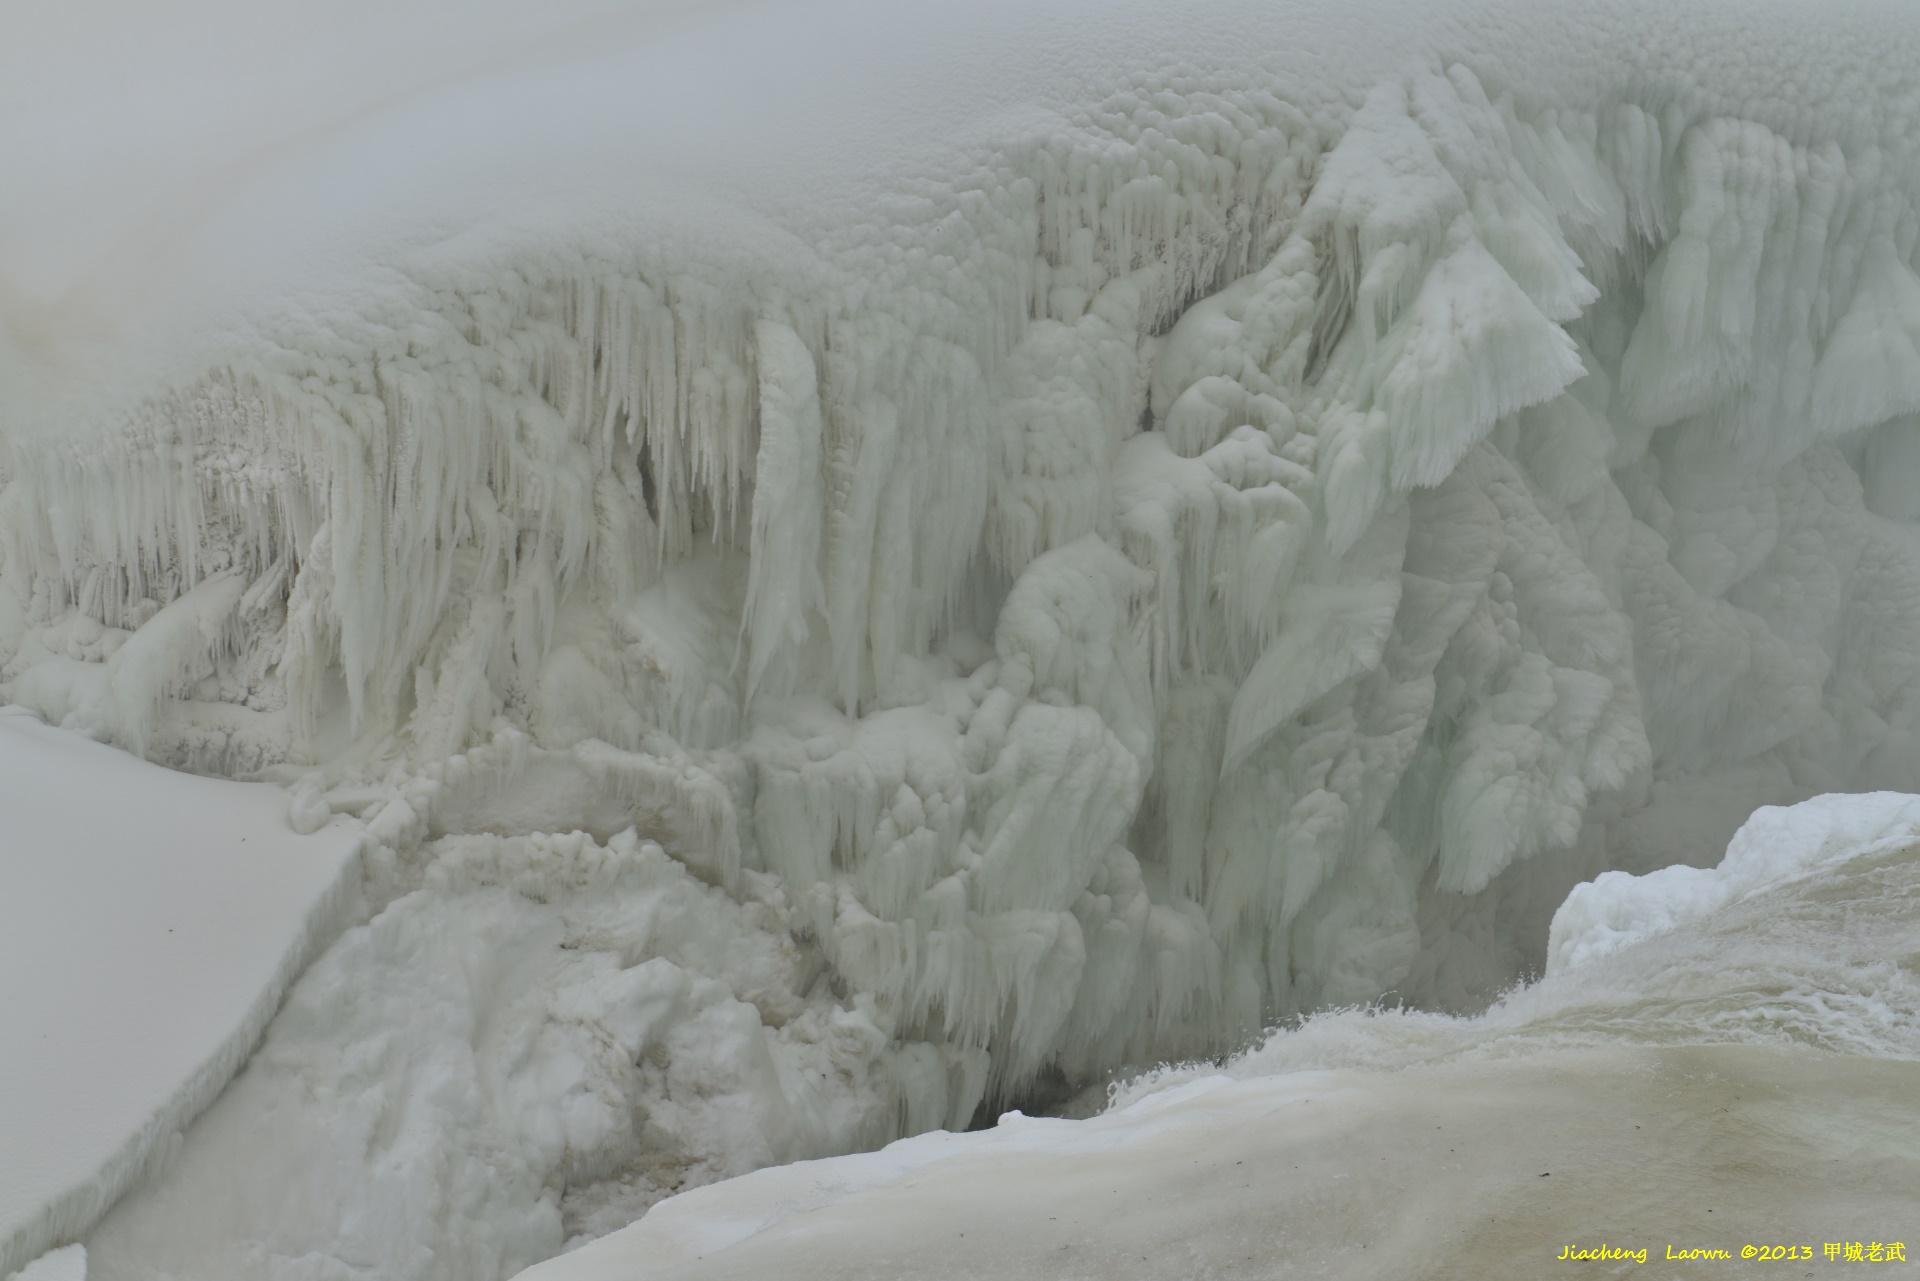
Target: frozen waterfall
858,565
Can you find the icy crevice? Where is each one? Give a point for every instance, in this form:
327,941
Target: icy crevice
1213,564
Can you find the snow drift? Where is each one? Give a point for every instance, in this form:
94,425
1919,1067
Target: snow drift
1096,527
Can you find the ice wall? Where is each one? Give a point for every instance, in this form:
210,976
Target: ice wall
1241,524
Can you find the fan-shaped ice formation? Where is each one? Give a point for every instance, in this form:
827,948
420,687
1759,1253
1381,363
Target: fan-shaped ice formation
1242,523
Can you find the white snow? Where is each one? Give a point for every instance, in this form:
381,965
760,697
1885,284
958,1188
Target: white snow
1434,1171
149,923
68,1263
1096,527
1616,909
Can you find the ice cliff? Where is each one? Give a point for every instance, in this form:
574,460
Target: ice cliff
1072,533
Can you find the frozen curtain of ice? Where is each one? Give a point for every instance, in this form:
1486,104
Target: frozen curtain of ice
1223,558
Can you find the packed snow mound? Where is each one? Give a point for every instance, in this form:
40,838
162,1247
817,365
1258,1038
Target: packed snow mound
1116,523
1826,958
150,922
68,1263
1616,909
542,1040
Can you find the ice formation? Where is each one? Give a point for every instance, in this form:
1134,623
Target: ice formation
1756,1062
1241,525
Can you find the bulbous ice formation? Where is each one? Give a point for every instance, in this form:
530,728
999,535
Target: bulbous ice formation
1247,544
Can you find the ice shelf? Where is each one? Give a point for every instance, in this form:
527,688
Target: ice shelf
150,922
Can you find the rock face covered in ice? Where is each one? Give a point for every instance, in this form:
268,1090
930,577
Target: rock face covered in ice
1096,528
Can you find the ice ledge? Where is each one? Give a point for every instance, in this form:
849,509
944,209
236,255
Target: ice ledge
150,922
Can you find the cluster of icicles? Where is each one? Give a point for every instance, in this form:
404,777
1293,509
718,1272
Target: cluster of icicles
1226,564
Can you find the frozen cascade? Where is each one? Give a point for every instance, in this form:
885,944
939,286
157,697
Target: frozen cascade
1243,547
1763,1018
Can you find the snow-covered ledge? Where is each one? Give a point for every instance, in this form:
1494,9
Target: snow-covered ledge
150,922
1737,1044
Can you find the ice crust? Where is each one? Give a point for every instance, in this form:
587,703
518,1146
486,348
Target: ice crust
1094,527
150,923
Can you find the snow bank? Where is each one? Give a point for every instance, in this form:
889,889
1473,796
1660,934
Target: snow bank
1124,521
149,924
1484,1170
1615,909
68,1263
